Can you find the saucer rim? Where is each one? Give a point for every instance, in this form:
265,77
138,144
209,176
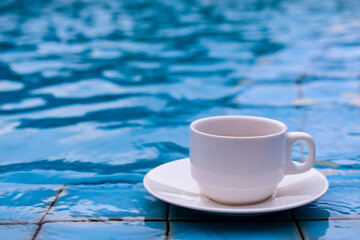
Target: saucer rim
230,209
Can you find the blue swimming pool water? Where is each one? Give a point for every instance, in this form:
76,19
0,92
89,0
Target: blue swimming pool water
93,94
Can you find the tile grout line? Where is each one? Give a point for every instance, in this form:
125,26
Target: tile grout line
167,222
297,224
299,229
52,204
41,222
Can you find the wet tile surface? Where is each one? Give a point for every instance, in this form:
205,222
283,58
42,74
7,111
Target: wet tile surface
102,230
234,230
94,94
121,201
332,229
15,232
338,202
337,135
25,203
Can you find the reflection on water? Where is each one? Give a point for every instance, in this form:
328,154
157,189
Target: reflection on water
103,91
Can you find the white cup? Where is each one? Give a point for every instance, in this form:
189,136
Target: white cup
241,159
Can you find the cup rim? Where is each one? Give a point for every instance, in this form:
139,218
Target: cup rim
283,126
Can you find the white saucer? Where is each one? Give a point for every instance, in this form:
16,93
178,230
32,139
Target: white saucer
172,183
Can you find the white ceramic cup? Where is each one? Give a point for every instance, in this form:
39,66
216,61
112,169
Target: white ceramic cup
242,159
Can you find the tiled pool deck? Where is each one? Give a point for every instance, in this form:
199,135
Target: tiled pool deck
95,94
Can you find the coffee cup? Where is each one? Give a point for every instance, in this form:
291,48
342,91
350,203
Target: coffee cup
240,160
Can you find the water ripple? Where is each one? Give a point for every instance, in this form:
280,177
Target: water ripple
103,91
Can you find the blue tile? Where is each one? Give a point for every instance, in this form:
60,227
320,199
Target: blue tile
16,232
344,52
6,85
25,203
332,69
340,61
102,230
271,71
285,65
234,230
332,229
335,130
338,202
72,155
330,92
125,201
274,95
179,213
338,176
189,90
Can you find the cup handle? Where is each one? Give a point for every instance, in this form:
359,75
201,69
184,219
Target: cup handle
292,167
